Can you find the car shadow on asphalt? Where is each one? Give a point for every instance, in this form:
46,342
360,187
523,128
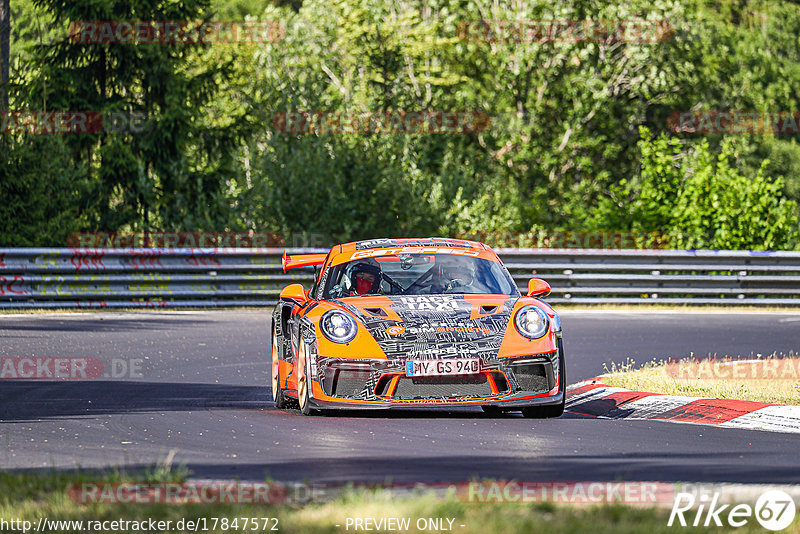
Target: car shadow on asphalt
135,321
432,413
35,400
466,412
32,400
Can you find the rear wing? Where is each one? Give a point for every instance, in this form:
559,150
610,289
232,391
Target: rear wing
301,260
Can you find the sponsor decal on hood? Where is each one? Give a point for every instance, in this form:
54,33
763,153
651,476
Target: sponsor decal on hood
435,325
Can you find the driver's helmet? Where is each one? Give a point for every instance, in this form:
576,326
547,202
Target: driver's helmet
456,272
365,277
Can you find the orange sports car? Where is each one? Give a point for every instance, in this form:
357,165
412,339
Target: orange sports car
415,322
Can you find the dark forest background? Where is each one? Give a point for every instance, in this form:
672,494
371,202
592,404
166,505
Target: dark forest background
579,138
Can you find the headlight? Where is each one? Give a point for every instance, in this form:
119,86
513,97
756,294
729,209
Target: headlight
338,326
531,322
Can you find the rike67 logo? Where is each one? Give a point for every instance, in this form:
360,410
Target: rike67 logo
774,510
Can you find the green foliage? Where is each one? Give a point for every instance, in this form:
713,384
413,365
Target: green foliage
359,185
719,208
171,175
698,199
563,149
40,196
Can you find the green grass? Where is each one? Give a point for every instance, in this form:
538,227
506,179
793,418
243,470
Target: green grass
31,496
708,379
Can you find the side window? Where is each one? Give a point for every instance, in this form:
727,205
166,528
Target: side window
338,284
319,282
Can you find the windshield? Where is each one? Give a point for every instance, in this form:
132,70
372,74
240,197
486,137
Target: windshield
418,274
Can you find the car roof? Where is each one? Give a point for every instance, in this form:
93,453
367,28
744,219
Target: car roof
347,250
411,242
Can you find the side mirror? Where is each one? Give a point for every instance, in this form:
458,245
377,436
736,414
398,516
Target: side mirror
538,288
294,293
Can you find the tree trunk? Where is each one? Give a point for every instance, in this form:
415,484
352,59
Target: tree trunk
5,46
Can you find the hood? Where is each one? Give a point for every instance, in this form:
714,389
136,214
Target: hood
434,325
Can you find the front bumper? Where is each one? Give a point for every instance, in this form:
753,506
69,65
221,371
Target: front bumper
509,404
511,382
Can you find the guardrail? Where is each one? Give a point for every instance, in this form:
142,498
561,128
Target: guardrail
157,278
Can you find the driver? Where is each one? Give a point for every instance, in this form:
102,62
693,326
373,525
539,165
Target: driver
454,273
365,277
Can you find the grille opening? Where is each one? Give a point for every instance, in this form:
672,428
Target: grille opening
501,382
463,379
382,386
346,382
436,387
534,376
486,310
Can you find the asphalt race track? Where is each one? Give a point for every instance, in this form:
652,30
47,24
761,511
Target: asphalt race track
202,393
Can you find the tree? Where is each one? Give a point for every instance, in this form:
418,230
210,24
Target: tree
41,194
5,51
171,175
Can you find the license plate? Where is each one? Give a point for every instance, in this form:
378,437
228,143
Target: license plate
456,366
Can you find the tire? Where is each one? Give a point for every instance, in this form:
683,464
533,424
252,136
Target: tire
277,391
303,394
556,410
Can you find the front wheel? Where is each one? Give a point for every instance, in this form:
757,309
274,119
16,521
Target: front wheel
303,384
